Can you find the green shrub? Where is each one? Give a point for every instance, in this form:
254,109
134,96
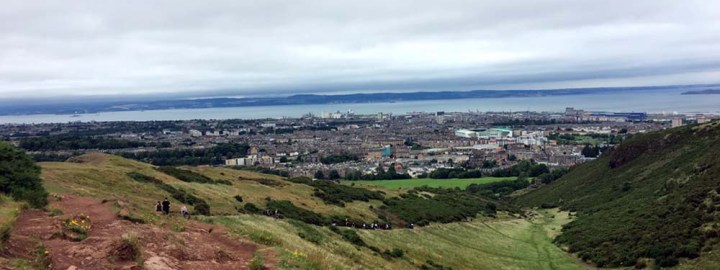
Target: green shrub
251,208
431,265
448,205
352,237
20,177
202,208
262,170
185,175
257,263
288,210
394,253
337,194
307,232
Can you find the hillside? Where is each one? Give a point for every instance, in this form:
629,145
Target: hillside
651,200
106,177
119,197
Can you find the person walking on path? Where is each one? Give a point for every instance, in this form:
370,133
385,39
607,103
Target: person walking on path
184,211
166,206
158,207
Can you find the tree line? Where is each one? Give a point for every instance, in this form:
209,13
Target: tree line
175,157
77,142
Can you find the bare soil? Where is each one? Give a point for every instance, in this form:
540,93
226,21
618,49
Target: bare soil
199,246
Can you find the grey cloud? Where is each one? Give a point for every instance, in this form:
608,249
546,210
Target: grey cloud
60,48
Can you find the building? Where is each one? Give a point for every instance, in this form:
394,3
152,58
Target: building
485,133
677,122
703,119
195,133
465,133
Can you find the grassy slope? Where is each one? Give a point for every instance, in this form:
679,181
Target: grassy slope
444,183
105,177
657,187
491,244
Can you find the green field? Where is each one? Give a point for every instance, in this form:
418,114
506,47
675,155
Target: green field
444,183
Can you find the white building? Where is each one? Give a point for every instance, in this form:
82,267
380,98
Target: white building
195,133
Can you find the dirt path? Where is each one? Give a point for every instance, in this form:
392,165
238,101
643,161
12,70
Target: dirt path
197,246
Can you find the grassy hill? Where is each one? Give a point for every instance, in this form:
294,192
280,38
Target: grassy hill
652,200
505,242
106,177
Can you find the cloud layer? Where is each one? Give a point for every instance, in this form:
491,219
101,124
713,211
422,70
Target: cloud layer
60,48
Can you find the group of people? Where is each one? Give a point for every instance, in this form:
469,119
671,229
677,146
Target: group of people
271,213
371,226
164,207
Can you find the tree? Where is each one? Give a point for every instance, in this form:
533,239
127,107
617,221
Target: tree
589,151
319,175
283,159
380,169
20,177
334,175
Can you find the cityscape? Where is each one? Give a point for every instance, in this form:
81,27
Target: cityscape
334,135
344,142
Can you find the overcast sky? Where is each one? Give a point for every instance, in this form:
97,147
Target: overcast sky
61,48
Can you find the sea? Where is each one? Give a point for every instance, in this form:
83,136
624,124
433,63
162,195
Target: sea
667,101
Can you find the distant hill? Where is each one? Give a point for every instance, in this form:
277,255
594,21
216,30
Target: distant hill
654,199
703,92
13,107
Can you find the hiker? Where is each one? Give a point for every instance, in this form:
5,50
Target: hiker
277,213
166,206
184,211
158,207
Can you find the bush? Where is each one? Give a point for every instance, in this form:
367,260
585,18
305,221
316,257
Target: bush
238,198
185,175
251,208
202,208
431,265
307,232
262,170
352,237
257,263
288,210
20,177
337,194
395,253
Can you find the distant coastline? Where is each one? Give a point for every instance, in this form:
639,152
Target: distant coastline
9,108
703,92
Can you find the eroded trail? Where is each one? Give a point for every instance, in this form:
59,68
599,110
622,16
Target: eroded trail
196,246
